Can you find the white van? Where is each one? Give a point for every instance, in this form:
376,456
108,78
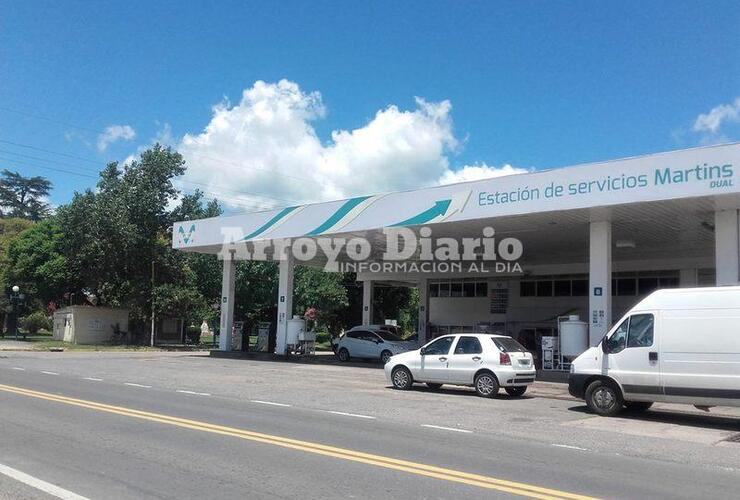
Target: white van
677,346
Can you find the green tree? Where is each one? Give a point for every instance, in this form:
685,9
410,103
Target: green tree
113,235
324,291
399,303
36,264
10,228
23,196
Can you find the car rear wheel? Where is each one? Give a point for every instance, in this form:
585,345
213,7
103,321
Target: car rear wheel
433,386
603,398
343,355
516,391
637,406
385,356
401,378
486,385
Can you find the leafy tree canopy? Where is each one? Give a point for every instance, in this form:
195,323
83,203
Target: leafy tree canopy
23,196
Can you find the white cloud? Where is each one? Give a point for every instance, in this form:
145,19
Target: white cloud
712,126
712,121
264,151
113,133
478,172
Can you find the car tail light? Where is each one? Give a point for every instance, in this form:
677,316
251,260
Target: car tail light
504,359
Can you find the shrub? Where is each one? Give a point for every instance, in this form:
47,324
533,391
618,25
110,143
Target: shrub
323,337
192,334
36,321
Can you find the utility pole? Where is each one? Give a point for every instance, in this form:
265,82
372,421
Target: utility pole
151,338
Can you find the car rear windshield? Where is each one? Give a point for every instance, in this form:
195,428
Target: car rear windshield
507,344
388,336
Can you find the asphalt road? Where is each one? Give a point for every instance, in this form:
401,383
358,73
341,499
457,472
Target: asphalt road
185,426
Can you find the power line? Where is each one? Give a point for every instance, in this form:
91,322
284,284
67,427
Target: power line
98,162
232,200
44,118
221,160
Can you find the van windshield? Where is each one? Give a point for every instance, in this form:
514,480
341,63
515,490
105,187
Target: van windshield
507,344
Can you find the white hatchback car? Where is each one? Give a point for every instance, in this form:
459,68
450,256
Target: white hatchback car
370,343
483,361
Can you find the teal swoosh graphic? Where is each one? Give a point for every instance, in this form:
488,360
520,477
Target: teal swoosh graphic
439,208
343,210
267,225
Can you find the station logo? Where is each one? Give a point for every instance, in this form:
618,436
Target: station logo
185,237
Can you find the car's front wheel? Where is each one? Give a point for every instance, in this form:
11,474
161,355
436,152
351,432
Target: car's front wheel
385,356
401,378
343,355
486,385
603,398
516,391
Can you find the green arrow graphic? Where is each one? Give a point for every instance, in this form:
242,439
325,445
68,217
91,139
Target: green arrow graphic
439,208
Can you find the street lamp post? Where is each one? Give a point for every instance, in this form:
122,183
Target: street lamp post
16,299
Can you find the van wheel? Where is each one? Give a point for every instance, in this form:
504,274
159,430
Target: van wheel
343,355
401,378
433,386
637,406
515,392
486,385
385,356
603,398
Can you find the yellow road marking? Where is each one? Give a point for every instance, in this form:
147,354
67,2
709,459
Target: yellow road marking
452,475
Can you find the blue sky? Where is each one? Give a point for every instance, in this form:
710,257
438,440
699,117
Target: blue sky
527,84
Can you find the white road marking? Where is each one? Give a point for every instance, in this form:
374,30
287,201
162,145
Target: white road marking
93,379
569,447
267,402
447,428
193,392
40,485
49,373
19,368
350,414
137,385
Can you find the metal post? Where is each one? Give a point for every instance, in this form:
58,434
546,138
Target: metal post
151,337
600,280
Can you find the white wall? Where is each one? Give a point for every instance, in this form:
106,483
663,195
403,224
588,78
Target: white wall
90,325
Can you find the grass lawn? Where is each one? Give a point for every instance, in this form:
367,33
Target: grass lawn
44,342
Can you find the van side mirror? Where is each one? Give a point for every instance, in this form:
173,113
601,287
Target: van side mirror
605,345
423,351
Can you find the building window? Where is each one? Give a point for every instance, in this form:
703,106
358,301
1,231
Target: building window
623,284
463,288
562,288
579,288
544,288
646,285
668,282
528,288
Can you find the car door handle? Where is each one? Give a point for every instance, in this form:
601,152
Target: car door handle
476,358
443,359
653,356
